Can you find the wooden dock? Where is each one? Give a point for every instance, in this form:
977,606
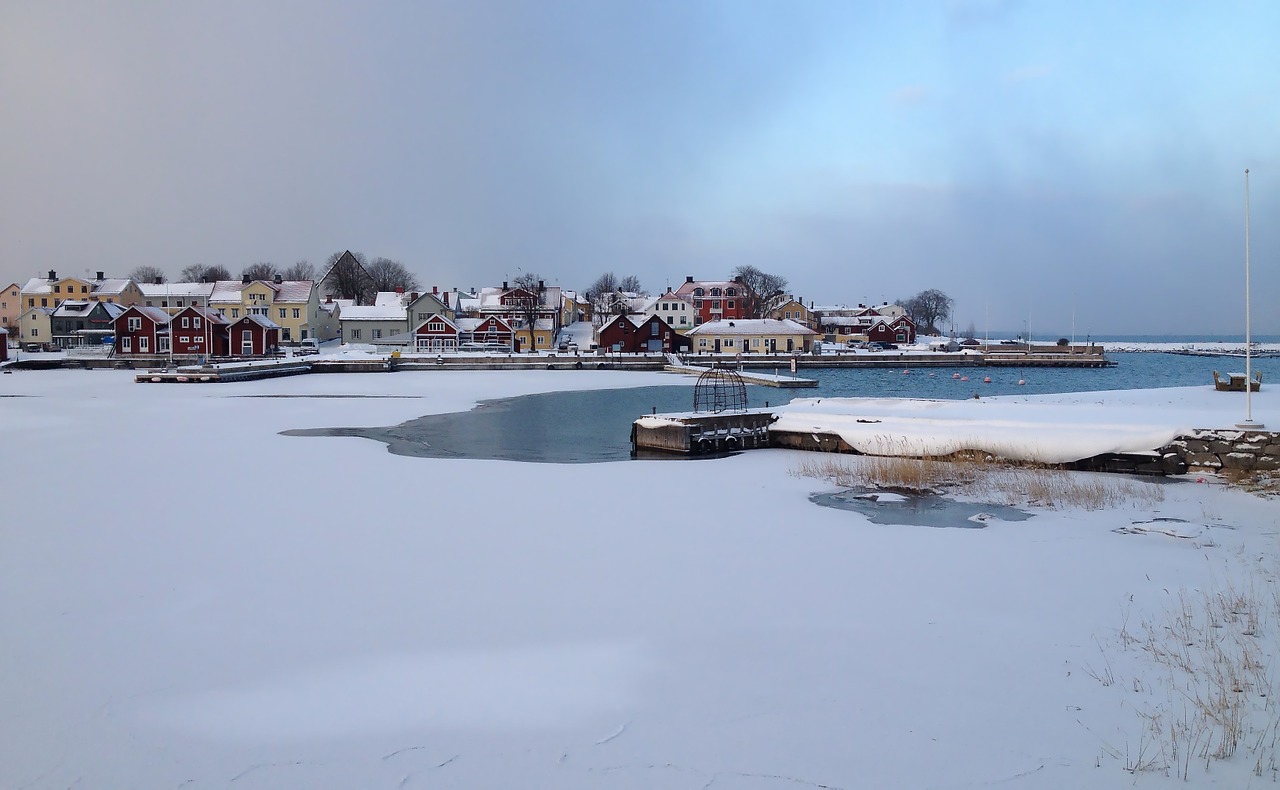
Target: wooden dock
213,374
701,433
763,379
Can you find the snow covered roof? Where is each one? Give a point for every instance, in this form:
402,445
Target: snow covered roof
110,285
176,290
286,290
155,314
389,298
211,315
73,308
752,326
260,320
375,312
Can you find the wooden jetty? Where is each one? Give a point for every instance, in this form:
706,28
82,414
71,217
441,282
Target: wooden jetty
702,433
211,374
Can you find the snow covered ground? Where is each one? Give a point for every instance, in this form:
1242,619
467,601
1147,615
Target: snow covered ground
190,600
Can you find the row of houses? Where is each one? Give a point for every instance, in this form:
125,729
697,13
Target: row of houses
700,315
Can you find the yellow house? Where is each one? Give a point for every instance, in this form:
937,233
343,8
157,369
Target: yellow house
750,336
11,306
35,325
543,335
292,304
793,310
52,291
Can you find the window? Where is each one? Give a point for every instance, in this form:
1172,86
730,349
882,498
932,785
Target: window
31,302
35,332
730,292
195,322
149,303
164,303
297,312
144,344
698,292
282,313
184,339
435,326
355,334
902,338
654,329
542,341
186,322
235,312
787,315
702,342
84,289
755,342
285,333
162,343
126,344
715,291
135,324
715,304
730,304
44,301
180,303
728,342
697,303
377,334
57,289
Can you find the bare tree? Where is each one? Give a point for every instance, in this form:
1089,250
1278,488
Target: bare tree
147,274
345,277
199,272
388,275
262,270
302,270
763,291
631,284
530,307
608,294
927,309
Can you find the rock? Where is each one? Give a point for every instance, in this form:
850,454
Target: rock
1172,464
1267,463
1221,447
1194,445
1239,461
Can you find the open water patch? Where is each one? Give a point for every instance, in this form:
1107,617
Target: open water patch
575,427
918,510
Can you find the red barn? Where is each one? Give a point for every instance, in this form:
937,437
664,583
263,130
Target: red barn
200,331
253,336
893,330
435,335
622,334
142,330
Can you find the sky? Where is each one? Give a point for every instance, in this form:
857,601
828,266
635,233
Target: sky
1058,165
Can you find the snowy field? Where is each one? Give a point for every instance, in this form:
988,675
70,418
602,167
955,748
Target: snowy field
190,600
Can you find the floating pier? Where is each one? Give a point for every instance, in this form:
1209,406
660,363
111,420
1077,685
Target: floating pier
211,374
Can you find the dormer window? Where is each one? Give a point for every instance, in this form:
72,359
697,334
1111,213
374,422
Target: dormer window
698,292
730,292
715,291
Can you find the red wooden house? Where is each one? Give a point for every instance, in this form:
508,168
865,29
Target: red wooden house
200,331
4,344
714,300
253,336
893,330
491,333
142,330
625,334
435,335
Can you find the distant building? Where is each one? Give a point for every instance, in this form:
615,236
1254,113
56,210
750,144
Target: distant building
714,300
752,336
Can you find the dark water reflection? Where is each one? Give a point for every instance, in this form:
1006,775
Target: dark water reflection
586,426
920,510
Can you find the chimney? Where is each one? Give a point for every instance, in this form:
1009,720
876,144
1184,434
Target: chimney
541,286
244,279
738,279
446,299
400,290
159,280
279,279
413,296
688,278
100,277
53,275
504,284
435,290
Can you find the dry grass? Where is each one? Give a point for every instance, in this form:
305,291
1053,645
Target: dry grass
1212,648
981,476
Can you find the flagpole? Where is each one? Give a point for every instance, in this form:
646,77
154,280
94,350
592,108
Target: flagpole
1248,336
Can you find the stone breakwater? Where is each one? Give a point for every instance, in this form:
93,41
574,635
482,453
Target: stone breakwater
1222,450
